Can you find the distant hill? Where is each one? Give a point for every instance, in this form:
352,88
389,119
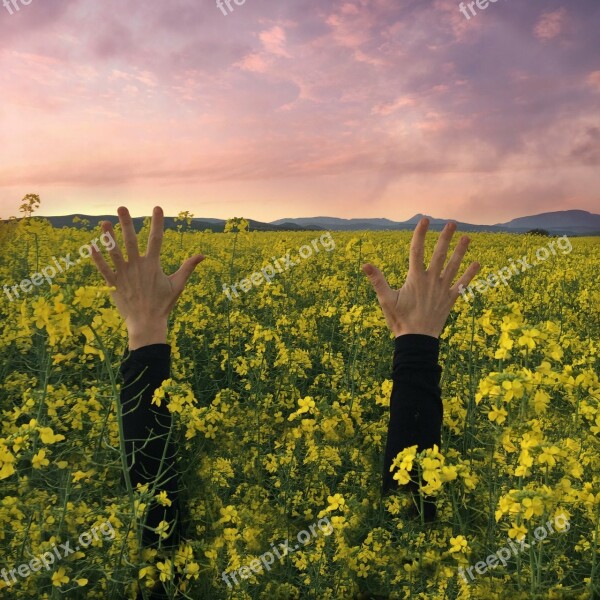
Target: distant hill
575,221
335,224
216,225
570,222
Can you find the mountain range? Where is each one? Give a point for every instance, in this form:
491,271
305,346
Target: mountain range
569,222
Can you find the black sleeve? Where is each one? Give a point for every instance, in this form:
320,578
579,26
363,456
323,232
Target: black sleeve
148,433
416,409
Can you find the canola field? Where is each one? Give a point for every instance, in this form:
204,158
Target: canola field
280,394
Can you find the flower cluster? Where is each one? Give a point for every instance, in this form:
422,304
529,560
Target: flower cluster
281,406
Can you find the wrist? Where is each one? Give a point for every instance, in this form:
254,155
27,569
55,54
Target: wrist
147,334
427,333
417,331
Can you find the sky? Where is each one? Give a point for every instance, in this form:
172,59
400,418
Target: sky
298,108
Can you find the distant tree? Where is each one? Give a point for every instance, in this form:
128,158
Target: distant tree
184,218
31,203
538,232
237,225
31,227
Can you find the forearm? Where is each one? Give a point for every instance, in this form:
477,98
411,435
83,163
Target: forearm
416,409
149,444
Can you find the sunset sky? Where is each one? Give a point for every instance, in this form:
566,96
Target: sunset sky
295,108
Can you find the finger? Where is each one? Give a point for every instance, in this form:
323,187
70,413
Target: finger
115,252
466,278
456,259
102,266
380,285
417,247
128,233
156,234
440,251
180,278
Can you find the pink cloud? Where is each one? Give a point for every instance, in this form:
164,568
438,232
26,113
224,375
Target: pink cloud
273,41
551,24
254,63
593,80
391,107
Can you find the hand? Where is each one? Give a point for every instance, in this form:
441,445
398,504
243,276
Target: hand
424,302
144,295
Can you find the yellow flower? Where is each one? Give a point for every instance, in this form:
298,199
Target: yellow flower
306,406
517,532
163,499
497,414
458,544
228,514
404,463
192,570
528,338
85,297
59,577
335,502
540,401
183,555
159,393
148,572
533,506
49,437
547,456
18,443
78,475
139,507
575,469
512,389
448,473
40,460
162,529
165,569
6,462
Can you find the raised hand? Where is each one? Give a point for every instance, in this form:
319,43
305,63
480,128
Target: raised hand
144,295
423,303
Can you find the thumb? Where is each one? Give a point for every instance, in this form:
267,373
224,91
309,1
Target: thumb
180,278
377,279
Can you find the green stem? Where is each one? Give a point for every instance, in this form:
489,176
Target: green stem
116,396
592,585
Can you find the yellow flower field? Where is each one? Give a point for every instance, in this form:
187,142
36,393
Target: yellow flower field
281,397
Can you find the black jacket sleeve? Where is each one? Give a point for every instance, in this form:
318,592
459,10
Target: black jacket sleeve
148,432
416,409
